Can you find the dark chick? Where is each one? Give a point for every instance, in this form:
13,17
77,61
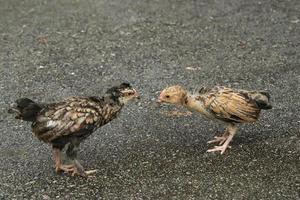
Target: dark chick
72,120
231,106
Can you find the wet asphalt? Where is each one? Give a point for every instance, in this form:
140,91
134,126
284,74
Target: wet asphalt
55,49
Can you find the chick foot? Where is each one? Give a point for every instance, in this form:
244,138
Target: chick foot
74,170
78,170
219,148
225,145
64,168
219,139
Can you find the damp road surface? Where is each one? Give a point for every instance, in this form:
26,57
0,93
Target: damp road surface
54,49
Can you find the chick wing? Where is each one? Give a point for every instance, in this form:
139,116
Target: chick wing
231,105
78,116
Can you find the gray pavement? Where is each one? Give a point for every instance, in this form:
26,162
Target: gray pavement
54,49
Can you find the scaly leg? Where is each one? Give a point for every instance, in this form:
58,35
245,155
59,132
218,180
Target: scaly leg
231,130
76,168
58,163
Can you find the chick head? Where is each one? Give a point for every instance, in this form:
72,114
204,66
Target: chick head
124,92
173,95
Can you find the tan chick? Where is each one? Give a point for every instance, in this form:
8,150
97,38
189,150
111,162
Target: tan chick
231,106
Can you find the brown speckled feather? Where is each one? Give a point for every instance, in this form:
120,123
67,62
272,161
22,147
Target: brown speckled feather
230,105
78,116
71,121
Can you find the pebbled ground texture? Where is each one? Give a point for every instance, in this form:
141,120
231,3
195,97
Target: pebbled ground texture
54,49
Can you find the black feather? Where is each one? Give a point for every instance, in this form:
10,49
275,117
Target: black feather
125,85
115,92
266,94
264,103
26,109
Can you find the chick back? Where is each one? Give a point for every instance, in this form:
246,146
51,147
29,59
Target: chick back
232,105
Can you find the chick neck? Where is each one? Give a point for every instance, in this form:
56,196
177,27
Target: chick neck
114,99
187,99
193,104
123,100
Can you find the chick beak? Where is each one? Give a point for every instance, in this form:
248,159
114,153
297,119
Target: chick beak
136,94
160,98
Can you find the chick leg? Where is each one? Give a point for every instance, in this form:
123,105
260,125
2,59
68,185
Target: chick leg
220,139
58,163
76,168
232,130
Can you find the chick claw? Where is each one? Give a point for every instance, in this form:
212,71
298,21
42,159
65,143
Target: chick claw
64,168
84,174
220,139
219,148
74,171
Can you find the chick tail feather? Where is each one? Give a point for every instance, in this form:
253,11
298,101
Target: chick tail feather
25,109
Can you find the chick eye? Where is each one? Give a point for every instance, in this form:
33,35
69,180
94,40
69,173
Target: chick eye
130,93
167,96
